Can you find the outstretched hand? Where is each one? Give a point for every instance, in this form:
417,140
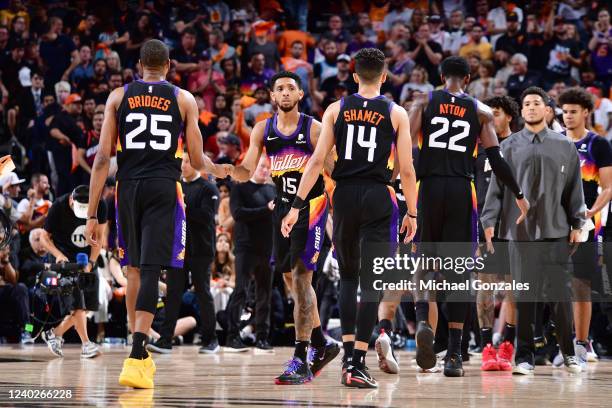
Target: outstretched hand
523,206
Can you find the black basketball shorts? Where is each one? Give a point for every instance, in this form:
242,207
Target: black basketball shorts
447,217
306,237
364,212
151,224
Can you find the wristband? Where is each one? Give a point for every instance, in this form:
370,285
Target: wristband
93,217
297,203
520,195
410,215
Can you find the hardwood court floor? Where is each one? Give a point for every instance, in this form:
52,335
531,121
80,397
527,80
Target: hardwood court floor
186,378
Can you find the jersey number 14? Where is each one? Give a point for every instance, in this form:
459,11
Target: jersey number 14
369,144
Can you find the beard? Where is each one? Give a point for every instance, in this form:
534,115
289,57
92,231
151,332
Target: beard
535,122
287,108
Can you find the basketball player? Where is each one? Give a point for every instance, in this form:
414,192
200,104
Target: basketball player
365,128
289,138
450,123
497,263
145,121
387,360
596,170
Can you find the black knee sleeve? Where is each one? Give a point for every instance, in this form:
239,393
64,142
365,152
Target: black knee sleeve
149,289
457,312
347,303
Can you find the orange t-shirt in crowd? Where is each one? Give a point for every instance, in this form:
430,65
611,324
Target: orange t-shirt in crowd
286,38
377,16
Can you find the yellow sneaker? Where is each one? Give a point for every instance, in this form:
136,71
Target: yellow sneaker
149,365
136,399
135,374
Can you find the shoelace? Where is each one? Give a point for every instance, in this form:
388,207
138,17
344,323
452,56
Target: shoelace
572,360
292,366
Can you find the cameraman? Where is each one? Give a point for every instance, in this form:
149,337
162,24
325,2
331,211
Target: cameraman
64,238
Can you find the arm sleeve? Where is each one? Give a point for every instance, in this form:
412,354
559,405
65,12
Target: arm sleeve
242,213
502,170
572,198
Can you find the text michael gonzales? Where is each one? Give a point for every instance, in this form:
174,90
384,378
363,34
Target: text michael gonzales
459,265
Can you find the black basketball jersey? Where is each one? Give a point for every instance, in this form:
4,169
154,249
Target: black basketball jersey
150,126
365,139
288,157
449,136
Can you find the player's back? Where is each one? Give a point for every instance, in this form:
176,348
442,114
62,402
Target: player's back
150,128
365,139
449,136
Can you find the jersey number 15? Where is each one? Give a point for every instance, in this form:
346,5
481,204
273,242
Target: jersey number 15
164,144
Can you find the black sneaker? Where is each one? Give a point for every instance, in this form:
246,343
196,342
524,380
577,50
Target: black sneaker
162,345
263,347
235,345
346,362
541,355
296,372
453,366
320,357
211,347
425,355
359,377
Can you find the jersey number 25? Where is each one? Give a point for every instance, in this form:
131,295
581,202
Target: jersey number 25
164,144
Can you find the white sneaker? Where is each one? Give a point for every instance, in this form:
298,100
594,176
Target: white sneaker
523,368
53,342
558,360
90,350
434,369
592,356
572,364
581,354
386,359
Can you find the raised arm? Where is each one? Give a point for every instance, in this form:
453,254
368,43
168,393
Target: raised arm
500,167
99,171
415,114
325,143
199,160
245,170
315,132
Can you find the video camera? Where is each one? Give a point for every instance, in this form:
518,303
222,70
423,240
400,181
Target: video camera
62,278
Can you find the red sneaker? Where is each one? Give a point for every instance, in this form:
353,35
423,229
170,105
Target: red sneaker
504,356
489,359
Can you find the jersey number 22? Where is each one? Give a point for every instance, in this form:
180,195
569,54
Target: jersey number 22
452,141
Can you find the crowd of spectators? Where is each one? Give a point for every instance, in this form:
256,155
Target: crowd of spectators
59,60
